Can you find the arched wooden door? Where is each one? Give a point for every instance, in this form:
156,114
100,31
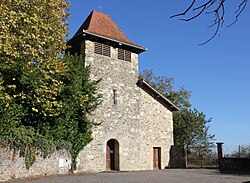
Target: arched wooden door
112,155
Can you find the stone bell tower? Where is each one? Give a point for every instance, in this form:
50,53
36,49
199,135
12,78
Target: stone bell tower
114,59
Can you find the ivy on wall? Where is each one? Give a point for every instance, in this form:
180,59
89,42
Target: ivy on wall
45,99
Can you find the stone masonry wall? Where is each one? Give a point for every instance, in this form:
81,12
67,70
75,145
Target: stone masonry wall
119,121
234,165
156,130
137,121
13,166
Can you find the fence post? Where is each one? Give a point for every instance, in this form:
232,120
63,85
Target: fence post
219,151
239,151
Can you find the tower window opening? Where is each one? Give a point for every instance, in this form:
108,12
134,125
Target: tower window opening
124,55
114,97
102,49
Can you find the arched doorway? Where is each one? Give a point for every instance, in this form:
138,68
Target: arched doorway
112,155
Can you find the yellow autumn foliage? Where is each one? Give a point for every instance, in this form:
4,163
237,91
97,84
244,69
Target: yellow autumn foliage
32,29
33,32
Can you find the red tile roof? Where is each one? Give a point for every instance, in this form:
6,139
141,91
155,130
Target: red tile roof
102,25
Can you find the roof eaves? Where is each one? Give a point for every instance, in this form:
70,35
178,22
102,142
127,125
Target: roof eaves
120,42
175,107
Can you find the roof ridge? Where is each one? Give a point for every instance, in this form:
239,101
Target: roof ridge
114,24
101,24
118,28
85,23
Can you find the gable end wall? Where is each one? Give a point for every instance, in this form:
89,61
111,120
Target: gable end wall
156,130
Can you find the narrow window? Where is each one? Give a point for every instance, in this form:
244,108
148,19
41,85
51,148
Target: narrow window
114,97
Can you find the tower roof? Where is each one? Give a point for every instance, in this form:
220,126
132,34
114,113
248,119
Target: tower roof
101,25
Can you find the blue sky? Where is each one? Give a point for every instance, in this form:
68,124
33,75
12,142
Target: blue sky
217,73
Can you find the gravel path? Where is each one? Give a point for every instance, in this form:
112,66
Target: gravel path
157,176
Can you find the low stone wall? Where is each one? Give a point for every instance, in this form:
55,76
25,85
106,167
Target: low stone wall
235,164
12,166
178,157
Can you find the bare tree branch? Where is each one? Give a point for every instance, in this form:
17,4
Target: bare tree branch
218,22
195,15
219,19
212,3
218,12
206,5
241,8
184,13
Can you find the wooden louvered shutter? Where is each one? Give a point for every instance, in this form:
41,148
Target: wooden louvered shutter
120,54
124,55
98,48
102,49
128,56
106,50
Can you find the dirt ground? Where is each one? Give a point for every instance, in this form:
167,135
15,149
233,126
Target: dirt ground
157,176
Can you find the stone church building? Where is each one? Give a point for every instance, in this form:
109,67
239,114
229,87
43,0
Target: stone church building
136,130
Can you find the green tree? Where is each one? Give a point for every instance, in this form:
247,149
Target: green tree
165,85
79,99
45,99
33,30
30,41
30,131
190,126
